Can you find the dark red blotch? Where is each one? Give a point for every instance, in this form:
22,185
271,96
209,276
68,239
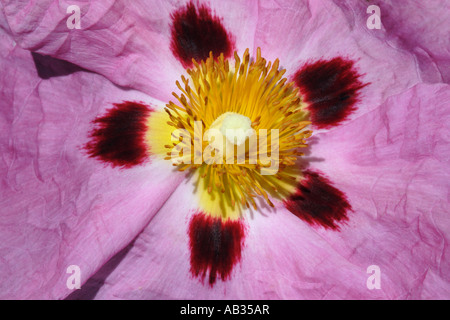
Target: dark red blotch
331,88
215,246
119,136
196,32
318,202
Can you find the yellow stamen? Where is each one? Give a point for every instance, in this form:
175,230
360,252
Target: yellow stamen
252,95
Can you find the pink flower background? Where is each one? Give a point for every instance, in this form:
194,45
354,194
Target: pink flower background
126,229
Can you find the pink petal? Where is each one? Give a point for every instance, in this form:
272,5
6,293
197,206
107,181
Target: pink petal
60,207
419,27
240,18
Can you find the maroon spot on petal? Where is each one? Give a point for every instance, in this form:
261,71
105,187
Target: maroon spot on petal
318,202
215,246
196,32
331,88
119,136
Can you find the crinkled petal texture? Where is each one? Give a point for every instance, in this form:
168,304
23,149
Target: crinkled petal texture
127,42
138,39
60,207
389,157
418,27
394,172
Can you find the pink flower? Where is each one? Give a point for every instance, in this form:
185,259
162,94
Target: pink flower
83,182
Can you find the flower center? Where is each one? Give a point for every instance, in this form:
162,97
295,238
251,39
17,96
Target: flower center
239,126
235,127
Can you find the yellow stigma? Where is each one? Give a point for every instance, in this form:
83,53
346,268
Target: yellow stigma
234,127
246,102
